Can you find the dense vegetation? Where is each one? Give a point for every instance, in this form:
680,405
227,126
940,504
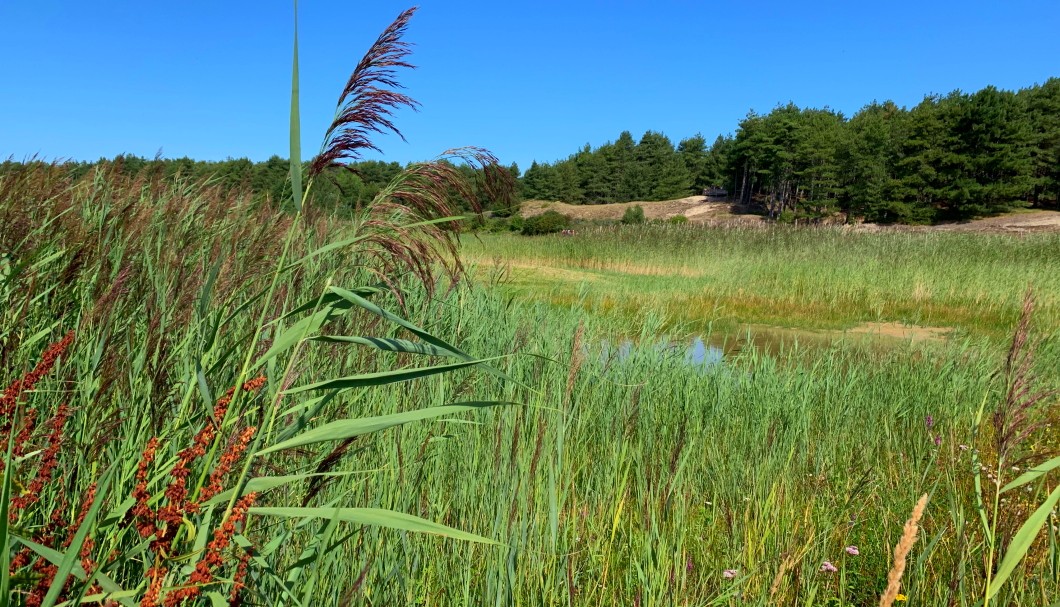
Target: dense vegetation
950,157
613,479
343,191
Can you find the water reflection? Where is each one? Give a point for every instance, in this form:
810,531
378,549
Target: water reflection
697,353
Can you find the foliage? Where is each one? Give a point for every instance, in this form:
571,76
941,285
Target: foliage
633,215
548,222
950,157
136,477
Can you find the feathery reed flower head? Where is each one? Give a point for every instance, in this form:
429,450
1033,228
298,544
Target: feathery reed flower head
368,101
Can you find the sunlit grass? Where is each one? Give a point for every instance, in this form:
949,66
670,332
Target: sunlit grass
826,278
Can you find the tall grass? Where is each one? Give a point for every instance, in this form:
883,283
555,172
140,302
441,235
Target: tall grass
618,481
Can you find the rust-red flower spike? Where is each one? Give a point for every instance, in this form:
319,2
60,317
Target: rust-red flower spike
213,557
86,505
154,589
222,403
142,511
14,391
239,579
24,435
49,461
228,460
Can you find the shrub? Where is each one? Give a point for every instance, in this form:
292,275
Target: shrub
678,219
633,215
548,222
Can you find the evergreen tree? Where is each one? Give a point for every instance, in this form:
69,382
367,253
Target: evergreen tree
1043,113
693,152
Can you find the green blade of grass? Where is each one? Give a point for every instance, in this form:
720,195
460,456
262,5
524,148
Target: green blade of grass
296,127
1032,474
72,555
5,535
1021,542
347,428
383,378
56,558
376,517
261,484
387,344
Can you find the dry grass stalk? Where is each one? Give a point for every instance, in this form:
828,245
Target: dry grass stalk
901,551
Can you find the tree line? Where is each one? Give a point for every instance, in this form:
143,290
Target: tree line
955,156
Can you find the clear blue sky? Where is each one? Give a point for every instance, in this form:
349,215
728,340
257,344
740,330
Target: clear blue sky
528,80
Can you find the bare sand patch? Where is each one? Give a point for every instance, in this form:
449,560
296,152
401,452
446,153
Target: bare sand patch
901,331
698,209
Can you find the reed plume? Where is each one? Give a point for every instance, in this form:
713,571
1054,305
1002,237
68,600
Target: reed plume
368,101
901,551
1013,419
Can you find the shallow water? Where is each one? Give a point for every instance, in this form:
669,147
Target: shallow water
705,351
696,353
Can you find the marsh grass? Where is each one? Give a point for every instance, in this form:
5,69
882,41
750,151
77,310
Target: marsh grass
617,481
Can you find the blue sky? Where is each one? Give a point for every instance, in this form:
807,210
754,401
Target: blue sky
528,80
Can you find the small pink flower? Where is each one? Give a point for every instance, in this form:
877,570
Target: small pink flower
938,441
852,550
729,574
828,567
962,447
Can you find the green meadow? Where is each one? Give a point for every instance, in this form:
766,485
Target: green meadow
828,278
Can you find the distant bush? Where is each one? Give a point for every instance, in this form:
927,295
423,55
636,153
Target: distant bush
678,219
548,222
633,215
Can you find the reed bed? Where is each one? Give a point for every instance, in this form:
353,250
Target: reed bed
618,481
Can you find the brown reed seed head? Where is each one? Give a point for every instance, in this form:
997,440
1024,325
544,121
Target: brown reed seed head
1014,420
901,551
367,102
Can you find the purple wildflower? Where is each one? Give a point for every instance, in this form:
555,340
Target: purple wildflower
929,422
938,440
729,573
852,550
828,567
